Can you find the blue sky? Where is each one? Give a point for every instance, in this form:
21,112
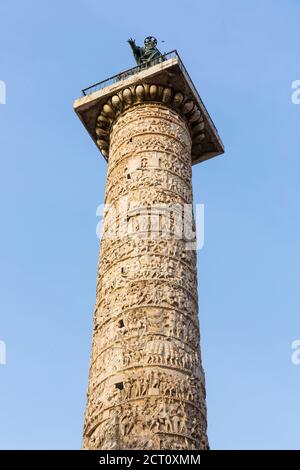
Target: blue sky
242,57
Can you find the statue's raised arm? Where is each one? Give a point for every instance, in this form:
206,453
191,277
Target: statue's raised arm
147,55
135,49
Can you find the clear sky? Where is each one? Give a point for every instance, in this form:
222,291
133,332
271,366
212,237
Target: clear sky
243,56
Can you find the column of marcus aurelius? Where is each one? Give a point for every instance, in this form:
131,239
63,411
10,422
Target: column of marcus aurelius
146,383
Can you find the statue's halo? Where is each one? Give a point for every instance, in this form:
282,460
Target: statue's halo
150,38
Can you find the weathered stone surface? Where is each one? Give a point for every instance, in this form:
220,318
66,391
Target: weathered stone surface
146,385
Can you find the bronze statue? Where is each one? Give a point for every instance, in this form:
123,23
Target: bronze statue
147,55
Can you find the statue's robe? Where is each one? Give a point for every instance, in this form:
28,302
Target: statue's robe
144,56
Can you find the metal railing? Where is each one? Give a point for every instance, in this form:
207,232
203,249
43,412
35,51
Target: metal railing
127,73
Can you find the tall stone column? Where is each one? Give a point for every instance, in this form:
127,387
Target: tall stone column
146,384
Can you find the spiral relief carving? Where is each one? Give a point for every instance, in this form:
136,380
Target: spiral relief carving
146,385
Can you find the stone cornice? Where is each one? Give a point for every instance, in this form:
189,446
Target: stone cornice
145,93
169,74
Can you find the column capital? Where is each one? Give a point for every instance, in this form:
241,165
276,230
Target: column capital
167,83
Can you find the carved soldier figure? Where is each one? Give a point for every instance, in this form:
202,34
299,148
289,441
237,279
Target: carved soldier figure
176,416
127,421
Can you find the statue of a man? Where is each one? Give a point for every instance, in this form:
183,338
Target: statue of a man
149,54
